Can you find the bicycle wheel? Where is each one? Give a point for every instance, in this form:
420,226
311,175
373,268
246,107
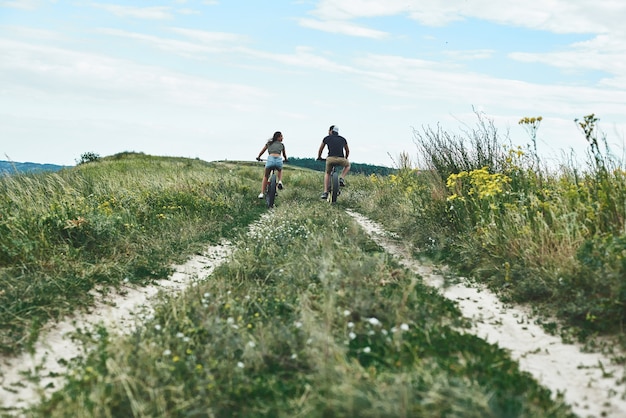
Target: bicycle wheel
270,196
334,185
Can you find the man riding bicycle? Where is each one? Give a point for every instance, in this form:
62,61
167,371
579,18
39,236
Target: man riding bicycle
336,144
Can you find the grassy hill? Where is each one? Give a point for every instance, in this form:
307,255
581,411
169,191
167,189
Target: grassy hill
308,318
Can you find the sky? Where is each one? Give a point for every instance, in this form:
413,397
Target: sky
214,79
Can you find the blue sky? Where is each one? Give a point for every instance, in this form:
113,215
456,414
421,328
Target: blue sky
214,79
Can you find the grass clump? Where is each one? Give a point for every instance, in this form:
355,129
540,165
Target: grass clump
552,237
125,218
311,320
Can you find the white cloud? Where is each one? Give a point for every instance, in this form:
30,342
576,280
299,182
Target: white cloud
559,16
155,12
22,4
602,53
348,9
184,48
425,80
605,51
207,37
49,72
304,57
343,27
31,33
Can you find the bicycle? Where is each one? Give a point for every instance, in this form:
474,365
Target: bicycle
271,189
333,189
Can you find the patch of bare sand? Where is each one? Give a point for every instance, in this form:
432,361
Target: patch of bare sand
116,311
590,382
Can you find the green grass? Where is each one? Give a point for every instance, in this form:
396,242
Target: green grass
553,238
127,218
309,318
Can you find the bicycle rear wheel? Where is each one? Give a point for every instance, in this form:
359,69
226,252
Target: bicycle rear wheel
334,185
270,196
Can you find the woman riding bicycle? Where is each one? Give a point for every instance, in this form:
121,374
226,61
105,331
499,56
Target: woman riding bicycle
274,148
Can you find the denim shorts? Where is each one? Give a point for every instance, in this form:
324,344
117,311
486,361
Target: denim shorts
274,162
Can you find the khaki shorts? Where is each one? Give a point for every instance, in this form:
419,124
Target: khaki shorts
331,161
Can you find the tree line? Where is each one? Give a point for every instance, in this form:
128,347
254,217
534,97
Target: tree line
355,168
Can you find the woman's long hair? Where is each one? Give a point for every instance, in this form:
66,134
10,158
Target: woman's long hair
274,138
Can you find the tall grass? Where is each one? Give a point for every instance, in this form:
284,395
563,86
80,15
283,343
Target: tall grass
123,218
553,237
309,318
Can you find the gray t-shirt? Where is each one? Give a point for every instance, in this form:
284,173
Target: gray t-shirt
275,147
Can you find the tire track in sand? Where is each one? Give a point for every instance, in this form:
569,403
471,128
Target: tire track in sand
590,382
118,312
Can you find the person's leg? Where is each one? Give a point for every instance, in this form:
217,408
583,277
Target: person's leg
264,182
329,167
346,168
279,175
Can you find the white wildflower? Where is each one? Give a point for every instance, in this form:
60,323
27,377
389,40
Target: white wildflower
374,321
352,335
404,327
367,350
350,324
167,353
240,365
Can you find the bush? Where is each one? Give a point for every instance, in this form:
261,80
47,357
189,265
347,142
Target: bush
88,157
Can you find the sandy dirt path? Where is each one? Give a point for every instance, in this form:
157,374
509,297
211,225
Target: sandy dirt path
590,382
117,312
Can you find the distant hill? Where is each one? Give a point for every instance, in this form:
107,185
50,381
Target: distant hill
11,167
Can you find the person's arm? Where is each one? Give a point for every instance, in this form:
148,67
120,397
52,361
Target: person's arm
319,152
347,150
285,153
262,151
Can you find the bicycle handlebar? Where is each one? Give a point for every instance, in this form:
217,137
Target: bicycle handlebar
284,161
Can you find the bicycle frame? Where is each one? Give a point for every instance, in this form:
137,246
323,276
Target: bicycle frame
333,179
271,188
